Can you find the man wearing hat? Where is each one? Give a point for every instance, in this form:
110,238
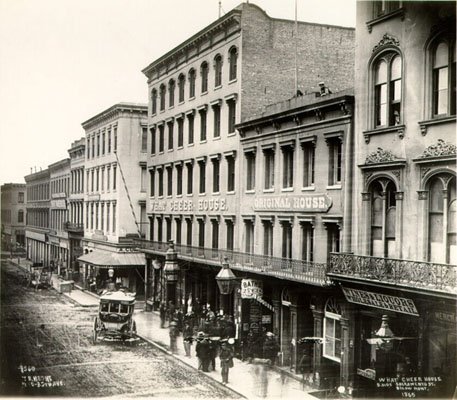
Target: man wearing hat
202,351
226,357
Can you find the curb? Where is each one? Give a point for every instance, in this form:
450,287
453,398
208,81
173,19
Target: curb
164,350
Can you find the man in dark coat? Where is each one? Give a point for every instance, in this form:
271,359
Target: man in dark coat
202,351
226,357
270,347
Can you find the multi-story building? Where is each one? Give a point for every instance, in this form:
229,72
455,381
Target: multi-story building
296,187
37,225
59,175
13,217
115,194
396,315
75,225
199,91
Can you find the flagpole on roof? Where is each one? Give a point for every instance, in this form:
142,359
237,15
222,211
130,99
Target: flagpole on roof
296,58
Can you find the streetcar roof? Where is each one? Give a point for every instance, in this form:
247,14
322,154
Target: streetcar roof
118,296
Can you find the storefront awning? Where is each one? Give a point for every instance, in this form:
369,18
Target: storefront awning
113,259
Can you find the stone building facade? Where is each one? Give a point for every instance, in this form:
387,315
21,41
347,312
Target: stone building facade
13,216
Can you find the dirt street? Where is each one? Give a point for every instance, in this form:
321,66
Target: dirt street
47,350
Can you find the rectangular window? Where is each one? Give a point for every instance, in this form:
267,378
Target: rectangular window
20,198
88,147
98,145
108,174
216,172
179,180
267,238
103,179
307,241
217,120
286,240
180,132
144,139
169,181
93,146
87,215
114,177
151,228
161,138
108,217
333,239
109,141
202,182
143,179
308,164
214,234
160,229
178,230
91,215
102,214
115,138
87,182
160,182
190,178
97,180
168,225
153,140
114,217
231,116
103,143
92,180
230,173
189,232
332,337
269,159
249,233
97,216
201,233
334,147
170,135
190,120
288,167
230,234
250,170
202,125
152,178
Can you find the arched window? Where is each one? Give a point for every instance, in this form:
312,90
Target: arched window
153,101
218,70
171,93
443,79
204,75
442,213
192,83
163,90
181,87
387,90
233,56
332,330
383,217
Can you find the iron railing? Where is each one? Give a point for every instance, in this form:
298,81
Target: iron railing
413,274
284,268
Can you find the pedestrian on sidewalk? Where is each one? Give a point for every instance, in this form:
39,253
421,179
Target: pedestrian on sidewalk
260,371
270,347
163,314
202,351
173,332
226,357
187,338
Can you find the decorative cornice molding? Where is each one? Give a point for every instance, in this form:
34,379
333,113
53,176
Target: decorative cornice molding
380,156
441,148
387,40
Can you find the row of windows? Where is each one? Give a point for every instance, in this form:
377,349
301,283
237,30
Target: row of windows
77,180
76,212
289,165
101,216
58,219
191,76
101,143
157,176
6,217
60,185
38,217
388,83
38,191
161,229
96,178
180,123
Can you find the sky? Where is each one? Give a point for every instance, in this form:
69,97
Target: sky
64,61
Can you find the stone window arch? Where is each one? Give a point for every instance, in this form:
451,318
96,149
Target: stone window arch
233,60
217,70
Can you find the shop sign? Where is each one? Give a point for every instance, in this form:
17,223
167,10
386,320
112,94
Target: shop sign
382,301
304,203
445,317
251,289
367,373
35,235
266,319
189,205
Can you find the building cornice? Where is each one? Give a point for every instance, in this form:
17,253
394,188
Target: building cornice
113,112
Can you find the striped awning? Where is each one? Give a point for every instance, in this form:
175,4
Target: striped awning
109,259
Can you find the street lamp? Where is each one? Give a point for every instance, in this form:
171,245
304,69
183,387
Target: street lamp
171,272
226,279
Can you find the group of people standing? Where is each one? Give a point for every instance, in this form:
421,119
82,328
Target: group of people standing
212,333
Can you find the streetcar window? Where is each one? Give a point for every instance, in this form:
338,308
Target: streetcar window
114,307
124,308
104,307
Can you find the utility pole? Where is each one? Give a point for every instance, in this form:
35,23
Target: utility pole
296,49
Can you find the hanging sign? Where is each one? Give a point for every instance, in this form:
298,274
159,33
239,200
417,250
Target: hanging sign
251,289
383,301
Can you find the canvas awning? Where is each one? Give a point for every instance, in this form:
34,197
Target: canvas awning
109,259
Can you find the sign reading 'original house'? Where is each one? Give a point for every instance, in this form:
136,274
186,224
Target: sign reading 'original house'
378,300
306,203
